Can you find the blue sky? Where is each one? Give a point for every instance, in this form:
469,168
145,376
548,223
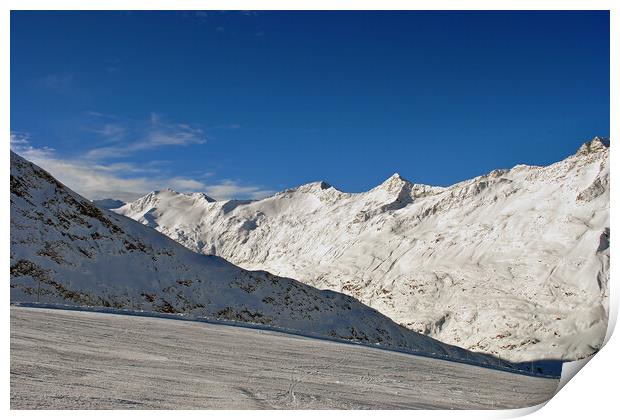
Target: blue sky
240,104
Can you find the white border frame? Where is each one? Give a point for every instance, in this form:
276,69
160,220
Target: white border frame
590,395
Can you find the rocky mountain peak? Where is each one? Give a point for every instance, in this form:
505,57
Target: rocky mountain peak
313,187
597,144
395,184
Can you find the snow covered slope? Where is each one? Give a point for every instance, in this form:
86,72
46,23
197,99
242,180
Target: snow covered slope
66,250
121,362
513,263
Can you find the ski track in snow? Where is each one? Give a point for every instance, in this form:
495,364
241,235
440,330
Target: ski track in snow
84,360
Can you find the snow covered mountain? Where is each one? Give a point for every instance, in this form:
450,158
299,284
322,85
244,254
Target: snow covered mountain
66,250
513,263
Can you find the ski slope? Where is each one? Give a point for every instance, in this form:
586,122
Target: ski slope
87,360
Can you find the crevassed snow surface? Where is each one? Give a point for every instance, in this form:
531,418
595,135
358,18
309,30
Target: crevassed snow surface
514,263
65,250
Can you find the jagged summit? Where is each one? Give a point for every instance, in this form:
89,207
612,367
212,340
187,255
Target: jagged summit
597,144
317,186
395,183
603,140
321,185
396,176
169,192
203,196
403,190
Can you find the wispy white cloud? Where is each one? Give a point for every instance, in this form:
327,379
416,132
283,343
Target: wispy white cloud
127,181
18,139
100,115
137,136
187,184
232,189
94,181
111,132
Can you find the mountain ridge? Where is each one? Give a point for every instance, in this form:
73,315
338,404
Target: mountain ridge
422,254
67,251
